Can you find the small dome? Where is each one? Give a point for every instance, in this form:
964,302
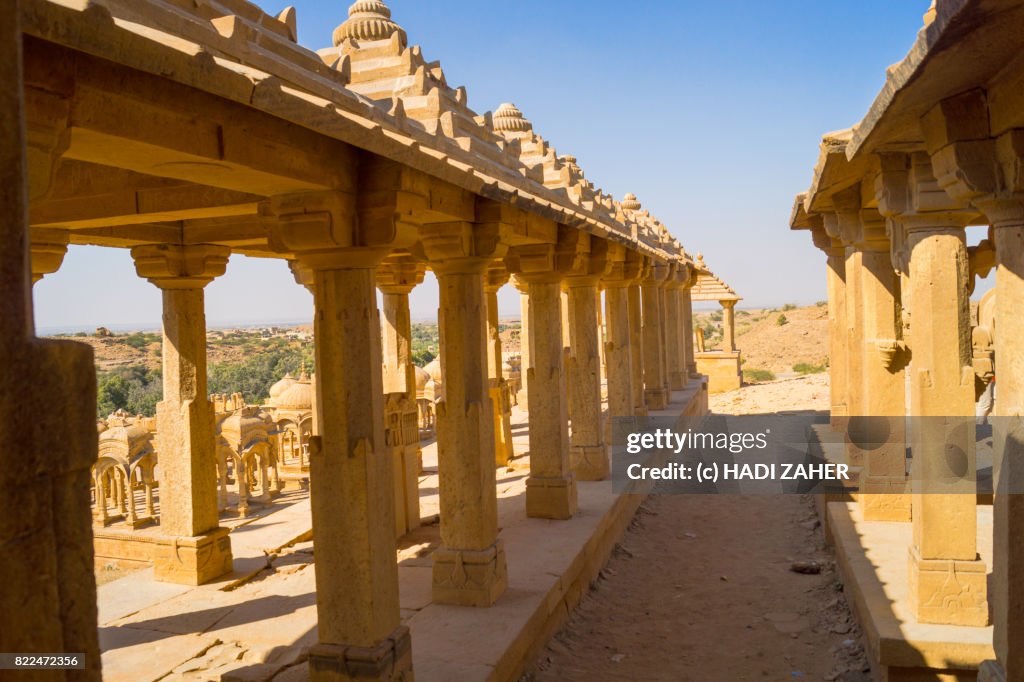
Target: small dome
422,377
281,386
630,203
434,370
299,396
367,20
508,119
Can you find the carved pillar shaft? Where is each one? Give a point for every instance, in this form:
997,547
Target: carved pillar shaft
883,480
837,354
588,457
351,477
655,394
500,407
942,390
673,342
618,353
728,326
686,324
525,344
636,348
551,487
399,374
469,568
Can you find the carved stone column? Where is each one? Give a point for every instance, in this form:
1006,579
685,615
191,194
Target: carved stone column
728,325
971,165
525,342
942,392
351,473
686,322
636,348
551,487
397,276
587,455
618,347
501,407
674,361
837,356
48,416
655,381
469,568
200,550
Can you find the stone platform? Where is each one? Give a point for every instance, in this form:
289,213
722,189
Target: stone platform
873,558
722,369
260,624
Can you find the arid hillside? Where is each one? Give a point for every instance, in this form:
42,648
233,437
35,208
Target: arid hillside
784,341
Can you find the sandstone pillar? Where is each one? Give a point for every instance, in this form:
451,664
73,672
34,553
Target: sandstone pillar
525,342
200,550
728,325
686,304
469,567
501,408
673,341
618,344
636,348
1008,446
655,394
48,412
396,277
942,389
351,471
837,354
884,491
551,487
588,456
853,343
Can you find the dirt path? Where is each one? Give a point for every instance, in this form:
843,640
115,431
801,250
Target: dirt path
702,588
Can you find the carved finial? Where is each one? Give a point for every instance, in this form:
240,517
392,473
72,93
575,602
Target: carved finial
508,119
368,20
630,203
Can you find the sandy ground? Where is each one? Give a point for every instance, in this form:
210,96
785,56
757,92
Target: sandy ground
702,588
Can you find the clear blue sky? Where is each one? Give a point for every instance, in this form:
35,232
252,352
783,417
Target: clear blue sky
710,112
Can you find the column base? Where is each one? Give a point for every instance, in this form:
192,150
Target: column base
389,661
991,671
466,577
656,398
677,380
551,498
193,560
589,462
948,591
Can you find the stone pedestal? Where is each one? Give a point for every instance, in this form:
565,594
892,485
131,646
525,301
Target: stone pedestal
466,444
185,421
390,660
551,487
948,579
192,560
588,456
722,369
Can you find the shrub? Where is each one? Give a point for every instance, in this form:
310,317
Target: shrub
781,320
755,375
821,304
789,306
807,368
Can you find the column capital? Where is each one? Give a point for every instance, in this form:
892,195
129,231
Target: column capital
553,261
728,303
658,273
461,246
400,273
909,193
49,247
180,266
496,276
624,266
682,275
321,230
303,275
